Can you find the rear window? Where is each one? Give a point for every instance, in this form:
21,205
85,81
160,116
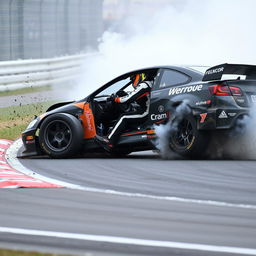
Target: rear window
172,77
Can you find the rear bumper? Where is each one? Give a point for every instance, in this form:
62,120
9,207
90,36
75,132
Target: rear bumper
221,118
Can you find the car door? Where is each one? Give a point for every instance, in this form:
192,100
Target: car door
167,78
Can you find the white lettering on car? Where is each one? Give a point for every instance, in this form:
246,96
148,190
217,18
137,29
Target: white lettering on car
214,71
207,102
179,90
155,117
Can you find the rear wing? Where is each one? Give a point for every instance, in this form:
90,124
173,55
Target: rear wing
216,72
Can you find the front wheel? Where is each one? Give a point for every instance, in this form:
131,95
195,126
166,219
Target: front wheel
61,135
186,140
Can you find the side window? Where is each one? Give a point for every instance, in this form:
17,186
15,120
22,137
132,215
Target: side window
172,77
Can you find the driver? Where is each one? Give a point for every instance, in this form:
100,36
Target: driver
140,99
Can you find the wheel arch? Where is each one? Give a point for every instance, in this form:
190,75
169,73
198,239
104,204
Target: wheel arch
51,114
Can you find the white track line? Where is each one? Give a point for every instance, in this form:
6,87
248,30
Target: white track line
15,163
131,241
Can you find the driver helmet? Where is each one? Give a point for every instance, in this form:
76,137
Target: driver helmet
138,78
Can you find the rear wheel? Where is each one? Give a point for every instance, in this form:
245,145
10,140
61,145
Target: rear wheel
186,140
61,135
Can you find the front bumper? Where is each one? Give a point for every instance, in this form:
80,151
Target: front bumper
30,143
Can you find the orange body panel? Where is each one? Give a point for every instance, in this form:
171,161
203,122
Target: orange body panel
89,124
88,120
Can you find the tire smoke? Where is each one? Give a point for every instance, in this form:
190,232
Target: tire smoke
239,143
164,131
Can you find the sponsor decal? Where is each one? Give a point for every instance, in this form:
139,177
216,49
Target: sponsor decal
157,117
214,71
180,90
161,109
231,114
240,100
206,102
203,116
30,141
223,114
88,117
253,97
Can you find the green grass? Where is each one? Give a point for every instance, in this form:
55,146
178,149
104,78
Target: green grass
23,253
25,90
14,120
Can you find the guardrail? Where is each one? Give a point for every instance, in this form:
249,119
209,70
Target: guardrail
39,72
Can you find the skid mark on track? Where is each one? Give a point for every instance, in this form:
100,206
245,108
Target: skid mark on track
15,163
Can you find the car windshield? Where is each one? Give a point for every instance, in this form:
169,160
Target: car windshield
113,88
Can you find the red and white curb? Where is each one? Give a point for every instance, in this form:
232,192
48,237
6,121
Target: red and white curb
12,178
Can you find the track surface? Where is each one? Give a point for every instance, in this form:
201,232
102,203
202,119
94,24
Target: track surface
232,183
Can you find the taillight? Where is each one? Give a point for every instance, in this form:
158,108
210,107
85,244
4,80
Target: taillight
235,91
221,89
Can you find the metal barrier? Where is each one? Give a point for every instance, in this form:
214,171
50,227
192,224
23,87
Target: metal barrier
39,72
34,29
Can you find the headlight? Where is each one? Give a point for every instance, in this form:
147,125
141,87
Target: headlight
32,124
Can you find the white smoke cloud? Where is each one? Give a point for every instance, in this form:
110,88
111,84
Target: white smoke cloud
237,143
240,143
163,132
200,32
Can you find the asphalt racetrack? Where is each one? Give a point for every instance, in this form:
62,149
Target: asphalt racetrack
136,205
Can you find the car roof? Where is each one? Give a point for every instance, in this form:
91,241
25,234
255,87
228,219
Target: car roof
196,72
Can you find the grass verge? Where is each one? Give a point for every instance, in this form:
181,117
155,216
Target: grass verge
26,90
14,120
4,252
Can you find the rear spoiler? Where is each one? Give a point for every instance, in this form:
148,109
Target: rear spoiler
216,72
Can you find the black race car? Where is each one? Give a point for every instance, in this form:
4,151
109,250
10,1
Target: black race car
214,103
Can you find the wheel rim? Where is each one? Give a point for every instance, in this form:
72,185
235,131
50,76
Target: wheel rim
184,135
58,135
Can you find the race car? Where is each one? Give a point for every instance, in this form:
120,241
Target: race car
215,99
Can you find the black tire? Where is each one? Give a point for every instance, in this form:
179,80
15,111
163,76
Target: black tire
61,135
186,139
